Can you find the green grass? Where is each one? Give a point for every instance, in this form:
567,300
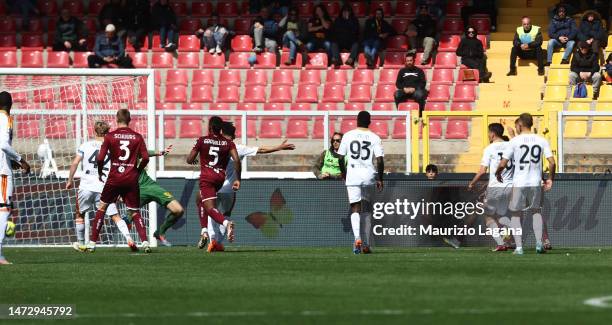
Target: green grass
183,285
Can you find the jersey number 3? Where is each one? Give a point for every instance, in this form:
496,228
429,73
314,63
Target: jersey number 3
360,149
123,145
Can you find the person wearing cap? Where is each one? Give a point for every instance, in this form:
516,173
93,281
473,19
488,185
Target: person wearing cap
585,67
109,49
562,31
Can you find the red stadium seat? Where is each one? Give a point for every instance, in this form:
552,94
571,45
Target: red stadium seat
305,9
381,128
280,94
201,8
189,43
310,77
394,60
443,77
214,61
188,60
387,76
449,43
406,8
363,77
257,78
57,128
297,129
242,43
307,94
408,106
446,60
337,77
360,9
169,127
435,129
438,93
461,107
242,26
31,59
229,77
397,43
31,41
255,94
47,8
176,77
333,93
58,60
219,106
203,77
228,94
140,59
190,25
318,131
176,94
251,128
8,42
383,106
266,60
8,59
483,40
419,60
456,129
354,106
80,59
155,42
360,93
190,106
247,107
95,6
227,8
316,61
201,94
274,107
191,127
481,24
282,77
452,26
74,6
239,60
285,58
464,93
435,107
162,60
400,25
327,106
385,5
453,7
348,124
384,93
270,129
333,8
399,129
179,7
28,127
468,82
343,57
301,107
7,25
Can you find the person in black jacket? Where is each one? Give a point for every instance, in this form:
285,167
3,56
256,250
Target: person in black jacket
375,32
472,54
346,35
526,46
136,19
585,67
411,83
422,33
111,13
592,32
164,20
70,34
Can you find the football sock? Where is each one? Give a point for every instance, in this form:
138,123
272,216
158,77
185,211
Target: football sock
140,228
504,221
203,216
203,231
515,223
537,227
171,219
212,230
216,215
123,228
367,224
96,225
80,230
355,220
3,221
495,231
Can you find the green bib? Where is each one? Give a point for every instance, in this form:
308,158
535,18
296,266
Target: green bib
331,164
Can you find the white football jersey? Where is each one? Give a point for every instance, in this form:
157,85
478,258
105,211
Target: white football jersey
7,153
359,147
230,174
491,157
89,178
528,151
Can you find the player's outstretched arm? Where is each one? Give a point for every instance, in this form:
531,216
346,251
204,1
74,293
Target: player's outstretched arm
380,166
153,153
73,167
283,146
479,174
498,173
237,168
144,155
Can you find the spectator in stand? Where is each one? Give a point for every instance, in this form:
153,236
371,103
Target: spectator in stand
603,8
472,54
436,8
422,33
431,172
562,32
346,35
265,32
585,68
70,34
375,32
164,20
411,83
486,7
25,8
527,44
109,49
279,7
213,38
608,68
136,20
294,29
592,32
572,7
327,165
319,32
111,13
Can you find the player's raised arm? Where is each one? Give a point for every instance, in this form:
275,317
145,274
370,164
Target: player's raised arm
73,167
191,158
237,168
283,146
154,153
101,157
144,155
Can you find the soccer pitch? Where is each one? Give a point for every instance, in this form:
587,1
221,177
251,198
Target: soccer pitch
184,285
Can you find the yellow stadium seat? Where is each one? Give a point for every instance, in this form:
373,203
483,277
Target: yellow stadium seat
604,107
557,57
609,48
552,106
601,128
588,98
605,93
555,93
575,128
582,106
558,77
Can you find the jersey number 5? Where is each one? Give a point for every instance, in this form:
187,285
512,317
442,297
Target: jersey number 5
360,149
123,145
213,152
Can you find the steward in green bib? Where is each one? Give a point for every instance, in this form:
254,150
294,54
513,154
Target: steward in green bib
527,44
328,163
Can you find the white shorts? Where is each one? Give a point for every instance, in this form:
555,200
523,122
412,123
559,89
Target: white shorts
225,202
358,193
89,201
497,200
526,198
6,191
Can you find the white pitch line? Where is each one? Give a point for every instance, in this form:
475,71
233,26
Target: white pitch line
601,302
